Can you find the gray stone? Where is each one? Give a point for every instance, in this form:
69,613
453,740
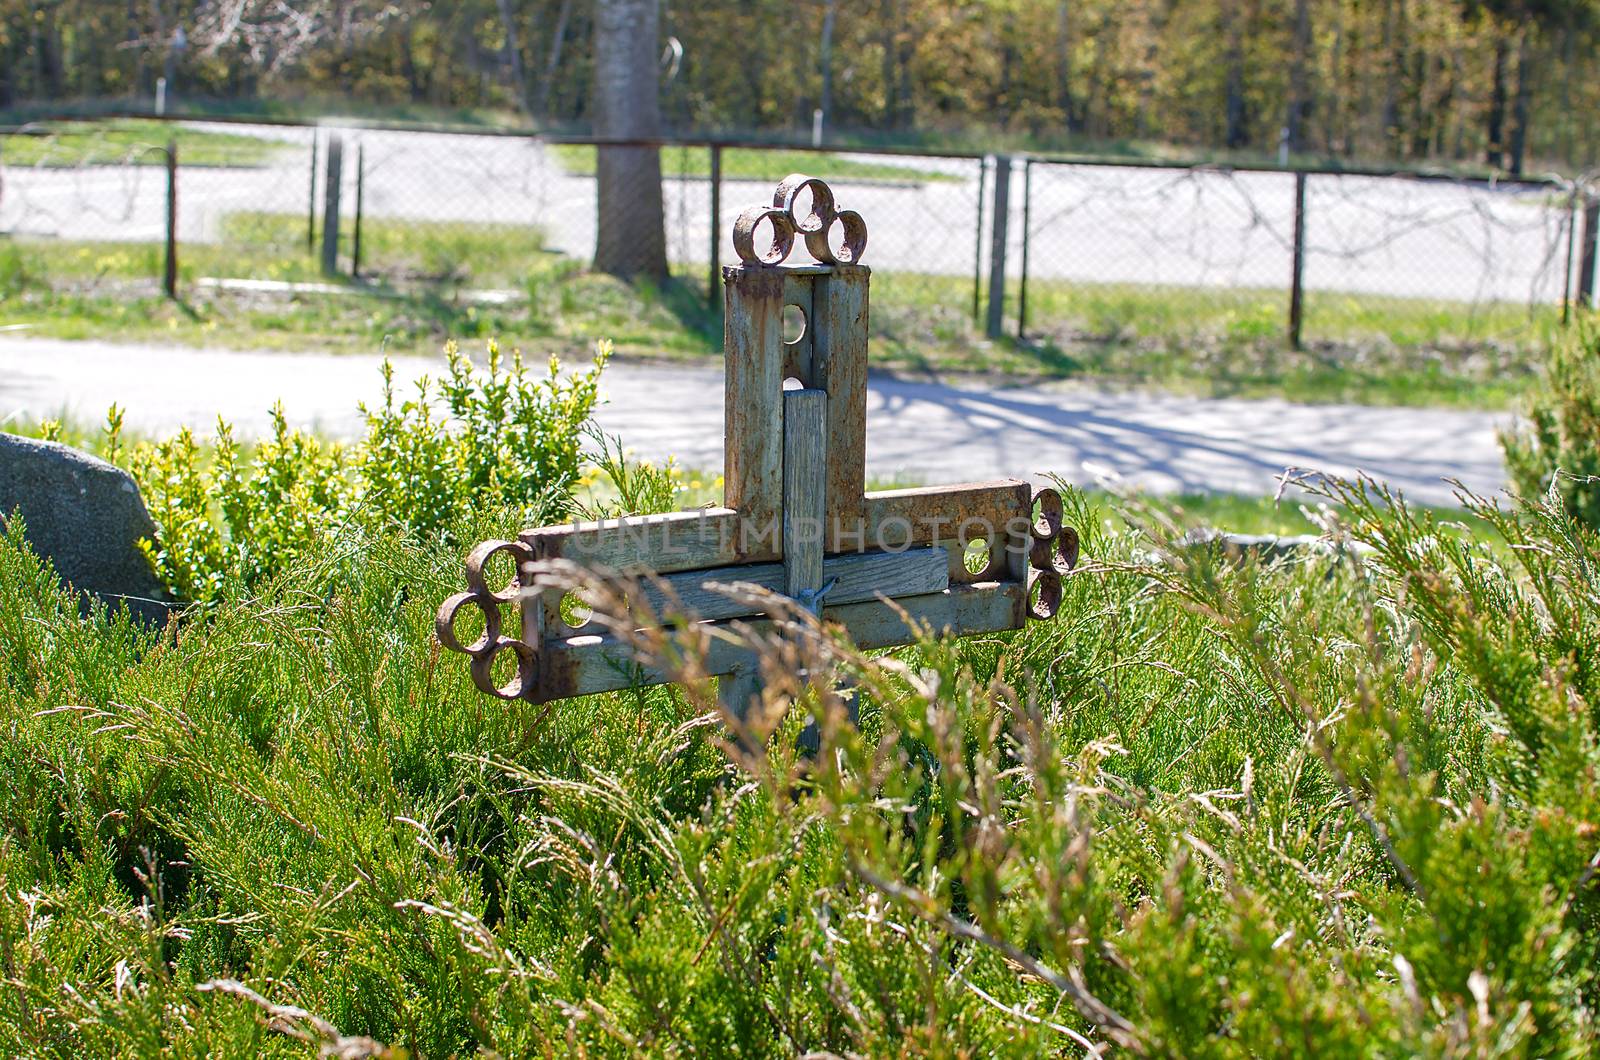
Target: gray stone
85,516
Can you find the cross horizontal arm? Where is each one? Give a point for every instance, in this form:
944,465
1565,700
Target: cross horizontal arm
937,515
577,666
855,577
676,541
719,537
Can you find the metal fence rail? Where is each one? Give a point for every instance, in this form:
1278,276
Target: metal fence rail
1049,251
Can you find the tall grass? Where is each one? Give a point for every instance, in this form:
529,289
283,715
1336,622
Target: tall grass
1345,806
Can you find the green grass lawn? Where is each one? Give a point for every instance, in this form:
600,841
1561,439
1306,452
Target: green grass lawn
1371,350
744,164
130,141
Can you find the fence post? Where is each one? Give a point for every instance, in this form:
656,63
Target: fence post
977,251
1297,280
1591,231
311,198
170,272
1572,249
713,294
355,236
330,205
1027,213
997,245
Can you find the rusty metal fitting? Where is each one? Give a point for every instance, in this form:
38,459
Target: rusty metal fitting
744,235
522,684
1067,545
1059,553
816,226
822,208
1047,524
1044,595
491,643
479,558
853,246
444,623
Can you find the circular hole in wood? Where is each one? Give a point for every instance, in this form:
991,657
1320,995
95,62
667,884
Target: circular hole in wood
794,324
975,557
575,611
791,383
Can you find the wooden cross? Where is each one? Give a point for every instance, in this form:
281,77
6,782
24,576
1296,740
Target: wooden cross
796,516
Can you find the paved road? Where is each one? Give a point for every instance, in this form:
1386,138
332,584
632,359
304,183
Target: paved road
1102,224
920,431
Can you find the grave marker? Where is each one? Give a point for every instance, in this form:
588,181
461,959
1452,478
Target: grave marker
796,516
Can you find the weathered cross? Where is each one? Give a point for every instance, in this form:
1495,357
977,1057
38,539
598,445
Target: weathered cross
796,516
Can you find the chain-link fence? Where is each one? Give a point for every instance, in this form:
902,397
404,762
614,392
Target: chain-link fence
1067,261
1404,259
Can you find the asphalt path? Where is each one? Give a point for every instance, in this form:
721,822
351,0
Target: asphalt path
917,431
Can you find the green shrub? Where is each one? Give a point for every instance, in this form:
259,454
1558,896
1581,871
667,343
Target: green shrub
502,439
1559,449
19,271
642,487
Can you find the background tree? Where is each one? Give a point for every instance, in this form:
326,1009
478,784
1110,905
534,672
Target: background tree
632,231
1509,82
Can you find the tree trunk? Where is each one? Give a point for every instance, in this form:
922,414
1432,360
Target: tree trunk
1519,111
1333,115
906,93
1299,88
1495,156
1394,61
547,82
825,58
1064,64
130,40
1423,116
1445,109
1568,72
1236,134
513,50
1004,107
1355,112
631,237
408,63
890,17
